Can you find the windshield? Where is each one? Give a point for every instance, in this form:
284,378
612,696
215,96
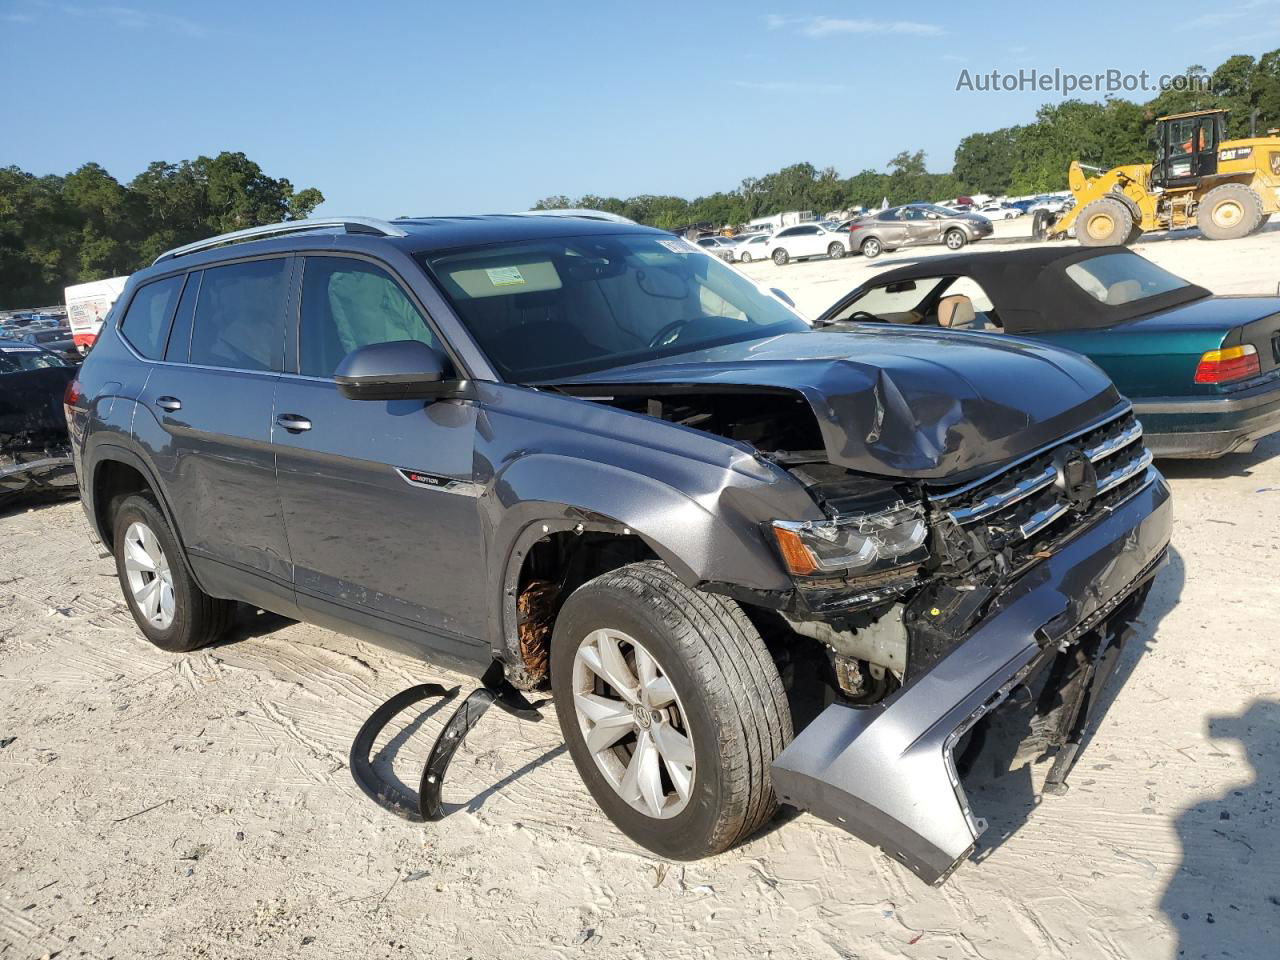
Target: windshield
1119,278
544,309
16,358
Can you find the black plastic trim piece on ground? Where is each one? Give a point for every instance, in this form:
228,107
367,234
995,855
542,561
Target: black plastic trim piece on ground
428,806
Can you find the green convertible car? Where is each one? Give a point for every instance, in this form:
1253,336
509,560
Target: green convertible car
1203,371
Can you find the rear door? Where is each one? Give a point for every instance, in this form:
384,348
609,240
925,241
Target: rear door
206,415
379,497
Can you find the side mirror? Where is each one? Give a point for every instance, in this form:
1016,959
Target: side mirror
398,370
781,295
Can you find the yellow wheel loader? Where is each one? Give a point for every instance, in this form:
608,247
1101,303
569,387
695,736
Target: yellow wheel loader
1227,188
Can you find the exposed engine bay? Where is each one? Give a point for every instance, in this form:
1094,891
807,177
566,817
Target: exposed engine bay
883,620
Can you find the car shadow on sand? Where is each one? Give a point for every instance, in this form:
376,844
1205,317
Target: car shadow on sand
1004,775
1224,898
1230,465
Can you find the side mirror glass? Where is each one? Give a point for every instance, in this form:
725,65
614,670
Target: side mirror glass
397,370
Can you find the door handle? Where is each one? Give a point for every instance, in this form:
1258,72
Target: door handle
293,422
169,403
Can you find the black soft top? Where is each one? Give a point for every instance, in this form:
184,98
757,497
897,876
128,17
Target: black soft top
1031,291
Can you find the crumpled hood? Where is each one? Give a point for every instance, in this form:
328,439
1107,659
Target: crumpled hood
901,401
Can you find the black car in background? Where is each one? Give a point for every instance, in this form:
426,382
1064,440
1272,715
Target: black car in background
35,455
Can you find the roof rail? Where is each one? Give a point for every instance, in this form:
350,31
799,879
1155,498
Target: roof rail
347,224
576,212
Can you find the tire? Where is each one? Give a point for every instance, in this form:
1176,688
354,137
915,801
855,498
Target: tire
1229,212
954,239
190,619
725,700
1104,223
836,251
780,257
745,258
1262,224
1134,234
871,248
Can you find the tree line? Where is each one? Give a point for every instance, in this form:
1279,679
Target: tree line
60,230
1020,160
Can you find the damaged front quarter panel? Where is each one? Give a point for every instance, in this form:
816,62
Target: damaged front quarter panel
887,773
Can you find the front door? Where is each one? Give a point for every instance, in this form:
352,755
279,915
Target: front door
378,496
922,227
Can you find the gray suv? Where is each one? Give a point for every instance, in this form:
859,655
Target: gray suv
916,223
753,560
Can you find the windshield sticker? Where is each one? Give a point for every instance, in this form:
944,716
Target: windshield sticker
505,276
679,246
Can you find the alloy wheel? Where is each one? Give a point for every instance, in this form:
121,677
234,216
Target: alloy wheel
633,723
149,575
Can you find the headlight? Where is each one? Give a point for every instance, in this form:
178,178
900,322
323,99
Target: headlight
859,544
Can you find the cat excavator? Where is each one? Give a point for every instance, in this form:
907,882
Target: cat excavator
1227,188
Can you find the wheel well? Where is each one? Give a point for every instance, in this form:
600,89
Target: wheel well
114,479
554,567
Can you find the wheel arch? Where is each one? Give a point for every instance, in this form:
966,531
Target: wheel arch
114,469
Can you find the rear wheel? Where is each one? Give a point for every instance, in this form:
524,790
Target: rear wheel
780,257
672,709
871,248
955,239
1104,223
836,251
1229,212
170,610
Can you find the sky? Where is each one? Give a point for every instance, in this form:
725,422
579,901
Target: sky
427,108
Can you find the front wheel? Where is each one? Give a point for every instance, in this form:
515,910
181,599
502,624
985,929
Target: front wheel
836,251
955,239
780,257
672,709
745,258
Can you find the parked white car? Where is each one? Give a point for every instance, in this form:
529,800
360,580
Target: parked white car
1052,204
755,247
998,211
806,240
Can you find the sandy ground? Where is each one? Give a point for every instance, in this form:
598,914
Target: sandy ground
200,806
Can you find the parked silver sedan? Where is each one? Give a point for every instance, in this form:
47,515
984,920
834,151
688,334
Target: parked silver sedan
916,223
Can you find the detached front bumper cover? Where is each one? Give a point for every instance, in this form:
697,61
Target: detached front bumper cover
887,773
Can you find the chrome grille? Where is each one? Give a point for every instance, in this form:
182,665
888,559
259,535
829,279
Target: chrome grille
1027,507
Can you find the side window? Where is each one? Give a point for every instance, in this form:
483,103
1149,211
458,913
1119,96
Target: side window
239,318
180,337
146,324
348,304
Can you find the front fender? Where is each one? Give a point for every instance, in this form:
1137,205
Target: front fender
705,522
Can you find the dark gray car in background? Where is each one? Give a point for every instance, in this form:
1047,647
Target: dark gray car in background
753,561
916,223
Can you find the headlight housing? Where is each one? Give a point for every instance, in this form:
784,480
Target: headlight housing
855,545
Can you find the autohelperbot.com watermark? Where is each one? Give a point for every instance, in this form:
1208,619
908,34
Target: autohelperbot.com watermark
1066,82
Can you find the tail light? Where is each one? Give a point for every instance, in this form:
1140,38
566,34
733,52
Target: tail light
1227,364
71,397
854,226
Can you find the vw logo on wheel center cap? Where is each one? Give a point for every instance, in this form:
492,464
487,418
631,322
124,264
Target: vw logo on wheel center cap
642,716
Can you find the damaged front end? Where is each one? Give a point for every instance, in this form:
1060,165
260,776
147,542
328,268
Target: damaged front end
1049,555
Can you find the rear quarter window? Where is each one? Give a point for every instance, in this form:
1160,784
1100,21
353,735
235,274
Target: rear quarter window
146,323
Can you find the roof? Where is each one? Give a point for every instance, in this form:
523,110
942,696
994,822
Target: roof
1031,291
430,234
1191,113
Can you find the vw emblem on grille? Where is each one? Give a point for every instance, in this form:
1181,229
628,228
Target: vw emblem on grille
1077,479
